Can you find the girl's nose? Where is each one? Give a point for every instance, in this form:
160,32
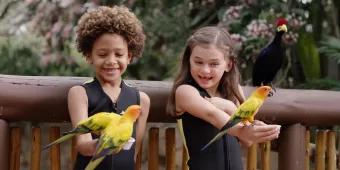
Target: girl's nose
205,68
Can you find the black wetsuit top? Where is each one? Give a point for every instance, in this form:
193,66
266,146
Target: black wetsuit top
99,101
223,154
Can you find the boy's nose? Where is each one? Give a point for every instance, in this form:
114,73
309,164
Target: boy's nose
111,60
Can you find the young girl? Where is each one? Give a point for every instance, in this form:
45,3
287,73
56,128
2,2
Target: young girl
204,95
109,38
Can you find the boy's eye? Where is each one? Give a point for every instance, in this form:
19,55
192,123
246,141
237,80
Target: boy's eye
102,54
119,55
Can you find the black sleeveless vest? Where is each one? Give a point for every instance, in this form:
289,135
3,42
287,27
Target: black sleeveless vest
223,154
99,101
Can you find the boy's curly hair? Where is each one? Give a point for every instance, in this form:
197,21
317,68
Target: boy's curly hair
117,19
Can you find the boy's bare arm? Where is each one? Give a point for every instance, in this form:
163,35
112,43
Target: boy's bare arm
77,106
141,123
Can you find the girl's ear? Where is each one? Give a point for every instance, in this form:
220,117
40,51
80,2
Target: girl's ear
229,65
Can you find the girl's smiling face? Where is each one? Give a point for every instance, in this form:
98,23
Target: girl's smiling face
207,66
109,57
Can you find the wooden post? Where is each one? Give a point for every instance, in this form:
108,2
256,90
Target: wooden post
54,134
170,145
331,151
321,138
36,148
15,148
338,150
73,153
153,160
252,157
4,143
292,147
265,155
308,150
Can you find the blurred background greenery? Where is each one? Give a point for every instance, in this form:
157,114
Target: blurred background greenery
37,36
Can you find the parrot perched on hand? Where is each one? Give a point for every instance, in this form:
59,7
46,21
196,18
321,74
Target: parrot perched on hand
94,123
115,136
270,59
245,112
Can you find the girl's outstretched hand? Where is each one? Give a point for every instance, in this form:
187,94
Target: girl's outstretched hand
257,133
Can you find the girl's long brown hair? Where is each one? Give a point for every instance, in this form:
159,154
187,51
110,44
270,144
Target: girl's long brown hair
229,83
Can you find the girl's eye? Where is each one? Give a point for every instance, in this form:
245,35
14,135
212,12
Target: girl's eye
214,64
199,62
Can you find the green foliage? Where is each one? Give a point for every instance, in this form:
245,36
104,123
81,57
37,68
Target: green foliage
330,47
322,84
166,35
20,55
309,56
49,50
23,55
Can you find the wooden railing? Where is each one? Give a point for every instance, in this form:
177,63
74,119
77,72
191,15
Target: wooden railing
43,99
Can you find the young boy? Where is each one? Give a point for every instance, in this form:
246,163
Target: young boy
109,38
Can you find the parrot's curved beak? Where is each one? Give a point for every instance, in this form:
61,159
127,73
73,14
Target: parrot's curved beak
282,27
271,93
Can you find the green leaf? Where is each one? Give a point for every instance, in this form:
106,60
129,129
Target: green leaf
308,56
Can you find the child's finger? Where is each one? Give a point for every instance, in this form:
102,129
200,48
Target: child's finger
259,122
265,128
267,133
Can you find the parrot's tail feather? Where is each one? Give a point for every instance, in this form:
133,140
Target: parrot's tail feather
218,136
62,139
94,163
103,153
230,124
223,131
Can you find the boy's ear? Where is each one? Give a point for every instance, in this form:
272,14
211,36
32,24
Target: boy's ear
88,59
129,58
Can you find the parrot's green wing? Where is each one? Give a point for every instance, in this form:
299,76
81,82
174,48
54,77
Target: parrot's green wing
94,123
248,108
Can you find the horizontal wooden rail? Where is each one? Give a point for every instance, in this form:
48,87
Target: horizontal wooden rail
43,99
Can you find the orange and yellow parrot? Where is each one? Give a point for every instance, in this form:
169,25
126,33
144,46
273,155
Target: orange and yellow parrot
245,112
115,136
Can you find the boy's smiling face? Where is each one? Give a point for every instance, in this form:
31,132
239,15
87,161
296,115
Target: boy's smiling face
109,57
207,66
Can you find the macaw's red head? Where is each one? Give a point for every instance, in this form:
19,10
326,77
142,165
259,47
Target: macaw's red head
281,24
